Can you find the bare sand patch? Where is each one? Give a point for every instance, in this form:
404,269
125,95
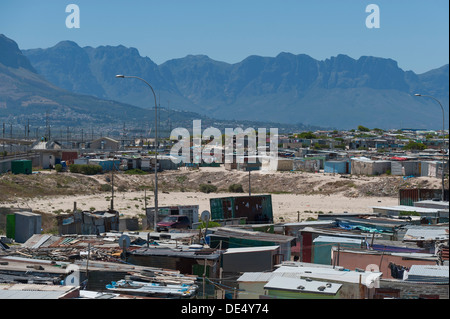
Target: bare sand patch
295,195
286,207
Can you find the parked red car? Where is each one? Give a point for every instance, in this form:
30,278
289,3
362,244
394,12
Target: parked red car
173,222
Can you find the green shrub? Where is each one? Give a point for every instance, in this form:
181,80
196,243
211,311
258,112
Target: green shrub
415,146
363,128
105,187
135,171
411,213
121,188
208,188
75,168
211,224
235,188
58,168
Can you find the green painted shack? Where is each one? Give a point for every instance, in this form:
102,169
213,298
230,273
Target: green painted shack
256,209
21,167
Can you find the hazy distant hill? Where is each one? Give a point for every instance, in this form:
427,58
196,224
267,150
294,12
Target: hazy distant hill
27,97
337,92
92,71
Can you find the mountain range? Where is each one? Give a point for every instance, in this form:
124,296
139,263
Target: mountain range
73,92
339,92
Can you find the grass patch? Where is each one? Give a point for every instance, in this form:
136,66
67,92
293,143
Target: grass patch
135,171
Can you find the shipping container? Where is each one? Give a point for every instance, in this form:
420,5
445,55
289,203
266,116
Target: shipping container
69,157
21,167
256,209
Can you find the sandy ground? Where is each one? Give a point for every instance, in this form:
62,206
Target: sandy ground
309,193
286,207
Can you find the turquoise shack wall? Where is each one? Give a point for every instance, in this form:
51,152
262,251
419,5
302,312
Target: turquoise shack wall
323,244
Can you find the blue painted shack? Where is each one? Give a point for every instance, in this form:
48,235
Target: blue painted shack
337,167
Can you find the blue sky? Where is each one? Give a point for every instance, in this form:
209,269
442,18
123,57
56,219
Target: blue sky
412,32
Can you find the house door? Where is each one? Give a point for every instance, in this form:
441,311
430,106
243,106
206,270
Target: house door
227,209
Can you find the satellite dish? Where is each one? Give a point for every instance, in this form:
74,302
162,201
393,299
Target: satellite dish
124,242
372,280
372,268
205,216
73,279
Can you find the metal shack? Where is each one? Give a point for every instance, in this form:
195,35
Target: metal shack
21,167
409,196
106,164
191,211
262,258
88,223
337,167
406,168
22,225
306,164
366,166
257,209
323,244
186,261
231,237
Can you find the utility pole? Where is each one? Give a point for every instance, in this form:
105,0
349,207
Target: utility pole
168,116
112,188
112,185
249,184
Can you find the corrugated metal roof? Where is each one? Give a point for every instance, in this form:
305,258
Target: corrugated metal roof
428,273
426,233
42,240
251,235
404,208
32,291
250,249
311,223
303,285
429,270
19,294
330,274
330,239
155,251
257,276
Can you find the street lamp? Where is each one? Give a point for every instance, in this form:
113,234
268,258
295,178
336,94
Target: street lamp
121,76
443,141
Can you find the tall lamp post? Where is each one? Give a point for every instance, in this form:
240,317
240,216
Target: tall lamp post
443,142
121,76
